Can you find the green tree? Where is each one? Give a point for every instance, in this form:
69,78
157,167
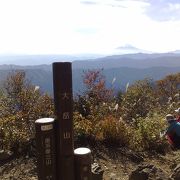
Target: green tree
168,88
139,100
20,105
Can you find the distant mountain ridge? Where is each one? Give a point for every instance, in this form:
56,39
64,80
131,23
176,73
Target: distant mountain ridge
138,60
125,59
129,49
124,68
31,60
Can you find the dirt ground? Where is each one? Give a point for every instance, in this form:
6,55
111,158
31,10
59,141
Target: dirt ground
117,163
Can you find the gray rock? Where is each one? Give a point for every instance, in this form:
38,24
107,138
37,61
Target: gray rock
113,176
5,155
176,173
148,172
97,171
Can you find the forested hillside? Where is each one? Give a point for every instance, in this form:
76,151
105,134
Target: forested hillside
42,76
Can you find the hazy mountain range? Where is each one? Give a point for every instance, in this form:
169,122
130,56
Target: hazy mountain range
124,68
32,60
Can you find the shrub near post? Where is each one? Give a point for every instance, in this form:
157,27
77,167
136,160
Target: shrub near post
45,143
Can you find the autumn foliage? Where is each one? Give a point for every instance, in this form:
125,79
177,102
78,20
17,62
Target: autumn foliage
133,118
21,103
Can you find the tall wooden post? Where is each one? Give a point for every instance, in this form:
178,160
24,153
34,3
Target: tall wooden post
62,79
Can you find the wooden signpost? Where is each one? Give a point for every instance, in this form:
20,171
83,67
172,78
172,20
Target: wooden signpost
62,79
82,158
45,140
57,159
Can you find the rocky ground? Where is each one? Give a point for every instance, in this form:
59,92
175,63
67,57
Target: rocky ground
117,163
123,164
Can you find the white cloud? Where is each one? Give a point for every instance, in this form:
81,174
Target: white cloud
163,10
70,26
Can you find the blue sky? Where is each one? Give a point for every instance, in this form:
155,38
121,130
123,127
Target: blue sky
88,26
